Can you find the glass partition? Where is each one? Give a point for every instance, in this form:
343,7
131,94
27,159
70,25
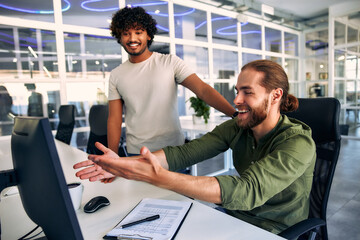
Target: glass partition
249,57
291,69
272,40
225,64
95,14
190,23
274,59
224,29
32,10
196,58
291,44
339,33
340,91
158,10
100,61
8,56
251,36
339,63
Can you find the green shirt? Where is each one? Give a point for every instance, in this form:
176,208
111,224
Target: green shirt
276,173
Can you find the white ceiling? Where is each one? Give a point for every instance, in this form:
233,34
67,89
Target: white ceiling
300,14
303,8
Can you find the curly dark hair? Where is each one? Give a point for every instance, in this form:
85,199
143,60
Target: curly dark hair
136,17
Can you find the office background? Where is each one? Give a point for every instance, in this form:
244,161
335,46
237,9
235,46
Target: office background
61,52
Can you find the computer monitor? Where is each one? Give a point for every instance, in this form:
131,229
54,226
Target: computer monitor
40,179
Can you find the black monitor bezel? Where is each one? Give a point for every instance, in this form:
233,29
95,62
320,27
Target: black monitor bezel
41,181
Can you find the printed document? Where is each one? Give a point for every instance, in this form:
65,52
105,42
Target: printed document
172,213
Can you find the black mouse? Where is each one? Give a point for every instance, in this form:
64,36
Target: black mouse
95,204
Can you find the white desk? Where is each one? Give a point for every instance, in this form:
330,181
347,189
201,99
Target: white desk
193,130
202,221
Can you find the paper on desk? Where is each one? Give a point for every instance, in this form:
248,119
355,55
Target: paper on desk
172,214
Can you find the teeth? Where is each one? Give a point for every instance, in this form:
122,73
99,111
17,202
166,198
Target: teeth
243,111
134,44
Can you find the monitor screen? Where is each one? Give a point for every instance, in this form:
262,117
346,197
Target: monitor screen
41,182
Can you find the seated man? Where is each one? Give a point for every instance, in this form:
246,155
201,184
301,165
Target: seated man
273,154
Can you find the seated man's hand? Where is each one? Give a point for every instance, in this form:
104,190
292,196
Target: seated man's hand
94,172
145,167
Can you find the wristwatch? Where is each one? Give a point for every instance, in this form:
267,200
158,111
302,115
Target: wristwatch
235,114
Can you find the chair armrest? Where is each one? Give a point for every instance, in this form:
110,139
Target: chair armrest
302,227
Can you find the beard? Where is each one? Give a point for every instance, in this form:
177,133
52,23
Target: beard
257,115
141,51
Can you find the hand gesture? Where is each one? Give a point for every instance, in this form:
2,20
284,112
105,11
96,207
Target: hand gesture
94,172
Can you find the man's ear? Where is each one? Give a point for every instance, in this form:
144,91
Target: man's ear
276,95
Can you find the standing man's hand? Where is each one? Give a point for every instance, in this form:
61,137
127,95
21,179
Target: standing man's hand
94,172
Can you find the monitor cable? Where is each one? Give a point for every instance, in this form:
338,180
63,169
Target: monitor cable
24,237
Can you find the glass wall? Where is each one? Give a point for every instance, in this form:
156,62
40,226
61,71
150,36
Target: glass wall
346,67
53,61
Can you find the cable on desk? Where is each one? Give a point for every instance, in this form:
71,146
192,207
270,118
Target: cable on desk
24,237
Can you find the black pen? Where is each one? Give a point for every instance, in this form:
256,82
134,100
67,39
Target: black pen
141,221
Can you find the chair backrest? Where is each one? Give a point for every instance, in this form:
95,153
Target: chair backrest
66,124
98,127
322,116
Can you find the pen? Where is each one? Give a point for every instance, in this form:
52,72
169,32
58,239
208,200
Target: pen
141,221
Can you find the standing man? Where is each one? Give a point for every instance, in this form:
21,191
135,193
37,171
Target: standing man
273,154
145,87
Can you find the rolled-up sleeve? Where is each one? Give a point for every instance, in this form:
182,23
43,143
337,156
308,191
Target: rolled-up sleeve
290,157
197,150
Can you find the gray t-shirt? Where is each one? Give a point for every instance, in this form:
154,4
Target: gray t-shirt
149,92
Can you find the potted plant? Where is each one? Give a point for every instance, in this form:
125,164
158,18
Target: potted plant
201,109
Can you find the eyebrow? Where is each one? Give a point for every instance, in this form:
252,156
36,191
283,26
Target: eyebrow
243,88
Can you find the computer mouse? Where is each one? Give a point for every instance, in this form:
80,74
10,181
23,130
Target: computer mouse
95,204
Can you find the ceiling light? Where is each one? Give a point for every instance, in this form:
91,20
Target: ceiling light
47,72
341,58
32,52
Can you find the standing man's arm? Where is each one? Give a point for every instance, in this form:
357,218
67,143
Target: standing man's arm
208,94
114,124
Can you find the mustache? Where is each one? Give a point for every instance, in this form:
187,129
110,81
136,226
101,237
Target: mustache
132,43
242,107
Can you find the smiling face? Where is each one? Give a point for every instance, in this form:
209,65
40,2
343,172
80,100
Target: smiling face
134,41
252,99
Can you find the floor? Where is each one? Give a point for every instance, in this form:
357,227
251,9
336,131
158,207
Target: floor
343,210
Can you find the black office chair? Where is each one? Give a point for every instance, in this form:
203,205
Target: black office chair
98,128
322,115
122,152
66,124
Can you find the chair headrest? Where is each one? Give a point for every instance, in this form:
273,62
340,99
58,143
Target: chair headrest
98,119
67,114
321,115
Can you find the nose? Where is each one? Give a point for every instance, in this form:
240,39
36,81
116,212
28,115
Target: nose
132,37
239,99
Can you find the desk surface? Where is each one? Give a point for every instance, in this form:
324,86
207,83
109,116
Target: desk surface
202,221
188,125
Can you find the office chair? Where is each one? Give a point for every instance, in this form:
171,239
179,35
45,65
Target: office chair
122,146
322,116
66,124
98,128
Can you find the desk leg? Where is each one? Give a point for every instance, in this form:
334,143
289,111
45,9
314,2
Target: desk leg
228,163
194,170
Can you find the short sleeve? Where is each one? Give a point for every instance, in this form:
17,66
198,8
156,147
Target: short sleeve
181,69
113,92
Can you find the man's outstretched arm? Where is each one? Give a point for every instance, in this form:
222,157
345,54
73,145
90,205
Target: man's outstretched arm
152,168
